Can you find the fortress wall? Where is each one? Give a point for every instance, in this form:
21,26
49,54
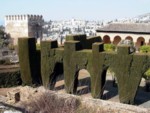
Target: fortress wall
23,26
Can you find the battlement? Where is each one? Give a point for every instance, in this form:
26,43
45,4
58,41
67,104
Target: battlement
23,17
23,26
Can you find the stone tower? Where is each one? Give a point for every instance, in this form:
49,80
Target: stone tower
18,26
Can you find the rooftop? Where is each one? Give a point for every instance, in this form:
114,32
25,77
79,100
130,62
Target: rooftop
126,28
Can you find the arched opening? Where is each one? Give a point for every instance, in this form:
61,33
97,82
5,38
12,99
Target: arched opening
143,92
106,39
110,89
140,42
148,42
83,83
129,38
117,39
56,79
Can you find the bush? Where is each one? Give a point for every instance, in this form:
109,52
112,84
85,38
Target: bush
2,61
147,74
109,47
49,102
5,61
11,47
10,79
38,47
145,49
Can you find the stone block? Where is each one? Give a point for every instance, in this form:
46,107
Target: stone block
13,96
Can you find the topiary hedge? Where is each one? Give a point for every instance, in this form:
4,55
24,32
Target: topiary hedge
51,63
76,55
29,60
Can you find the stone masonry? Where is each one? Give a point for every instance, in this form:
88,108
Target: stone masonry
18,26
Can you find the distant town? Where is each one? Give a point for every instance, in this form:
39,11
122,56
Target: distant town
57,30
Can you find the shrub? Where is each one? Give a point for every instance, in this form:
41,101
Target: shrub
11,47
10,79
109,47
2,61
38,47
145,49
147,74
5,61
51,103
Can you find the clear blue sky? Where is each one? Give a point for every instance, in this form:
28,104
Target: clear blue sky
80,9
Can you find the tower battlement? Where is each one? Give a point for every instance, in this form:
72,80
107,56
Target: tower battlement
23,17
18,26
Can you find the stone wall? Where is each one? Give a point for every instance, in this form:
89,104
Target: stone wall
23,26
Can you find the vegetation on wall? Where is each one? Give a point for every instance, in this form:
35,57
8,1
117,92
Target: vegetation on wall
38,46
109,47
4,39
147,74
145,49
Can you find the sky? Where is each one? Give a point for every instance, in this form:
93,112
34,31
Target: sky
78,9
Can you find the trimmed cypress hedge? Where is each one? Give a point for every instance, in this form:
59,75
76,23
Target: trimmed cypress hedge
81,53
51,63
29,60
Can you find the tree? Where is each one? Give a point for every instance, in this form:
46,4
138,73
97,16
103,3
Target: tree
2,33
4,38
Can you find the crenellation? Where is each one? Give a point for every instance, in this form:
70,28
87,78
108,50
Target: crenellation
9,17
24,26
12,17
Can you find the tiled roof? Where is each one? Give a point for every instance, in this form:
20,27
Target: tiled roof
145,28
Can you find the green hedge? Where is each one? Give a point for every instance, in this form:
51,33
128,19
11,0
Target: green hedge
145,49
147,74
10,79
38,46
109,47
128,67
29,60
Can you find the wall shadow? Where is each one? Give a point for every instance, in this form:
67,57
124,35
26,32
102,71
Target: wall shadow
57,75
82,82
110,89
84,86
142,96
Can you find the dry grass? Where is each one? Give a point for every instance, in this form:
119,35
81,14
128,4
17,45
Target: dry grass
41,100
51,103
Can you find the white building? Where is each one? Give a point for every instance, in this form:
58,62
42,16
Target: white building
114,33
